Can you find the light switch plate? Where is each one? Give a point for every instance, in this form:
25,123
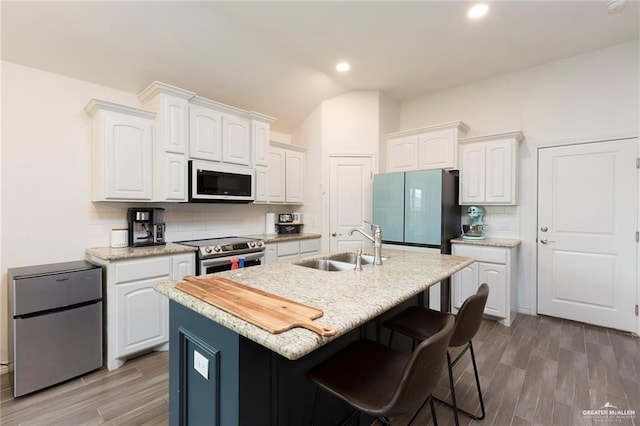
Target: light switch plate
201,364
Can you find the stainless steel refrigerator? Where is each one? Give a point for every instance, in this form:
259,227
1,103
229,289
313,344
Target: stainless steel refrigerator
419,209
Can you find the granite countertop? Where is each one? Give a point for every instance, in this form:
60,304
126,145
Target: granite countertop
278,238
489,242
122,253
347,298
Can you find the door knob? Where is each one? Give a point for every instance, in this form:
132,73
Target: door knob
335,234
544,228
545,241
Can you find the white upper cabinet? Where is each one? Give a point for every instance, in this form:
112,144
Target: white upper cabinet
434,147
488,169
260,135
236,140
294,177
205,131
171,105
122,152
285,180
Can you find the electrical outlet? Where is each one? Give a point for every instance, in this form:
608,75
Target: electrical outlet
201,364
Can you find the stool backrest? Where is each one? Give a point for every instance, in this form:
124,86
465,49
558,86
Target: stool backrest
469,317
423,371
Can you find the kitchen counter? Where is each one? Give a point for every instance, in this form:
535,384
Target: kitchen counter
279,238
347,298
122,253
489,242
225,371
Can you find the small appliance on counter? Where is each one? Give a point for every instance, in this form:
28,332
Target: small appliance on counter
289,223
475,230
146,226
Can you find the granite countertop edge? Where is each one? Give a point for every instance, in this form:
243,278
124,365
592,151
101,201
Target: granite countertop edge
489,242
123,253
347,298
279,238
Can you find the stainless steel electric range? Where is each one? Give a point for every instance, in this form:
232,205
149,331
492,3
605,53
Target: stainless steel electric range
220,254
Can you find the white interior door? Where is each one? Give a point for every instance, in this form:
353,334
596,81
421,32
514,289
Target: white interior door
350,194
587,209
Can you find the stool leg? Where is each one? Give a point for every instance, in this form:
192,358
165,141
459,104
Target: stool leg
433,412
475,370
453,390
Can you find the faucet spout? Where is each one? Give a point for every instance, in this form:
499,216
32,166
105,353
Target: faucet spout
376,240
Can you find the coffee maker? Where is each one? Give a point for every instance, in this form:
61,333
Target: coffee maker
146,226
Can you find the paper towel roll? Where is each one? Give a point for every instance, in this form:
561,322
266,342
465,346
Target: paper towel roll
270,224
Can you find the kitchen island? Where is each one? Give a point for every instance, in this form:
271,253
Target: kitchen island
226,371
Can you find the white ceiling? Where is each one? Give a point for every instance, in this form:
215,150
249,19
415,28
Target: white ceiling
278,57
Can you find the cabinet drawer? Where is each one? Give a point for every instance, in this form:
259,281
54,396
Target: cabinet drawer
288,248
308,246
138,269
481,254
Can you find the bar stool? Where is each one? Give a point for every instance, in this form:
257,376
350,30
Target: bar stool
384,382
419,323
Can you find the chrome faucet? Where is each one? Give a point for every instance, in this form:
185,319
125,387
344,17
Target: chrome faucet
376,240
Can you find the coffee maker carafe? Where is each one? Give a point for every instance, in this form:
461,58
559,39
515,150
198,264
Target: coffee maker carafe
146,226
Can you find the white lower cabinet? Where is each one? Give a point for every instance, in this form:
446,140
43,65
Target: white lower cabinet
495,266
137,315
296,249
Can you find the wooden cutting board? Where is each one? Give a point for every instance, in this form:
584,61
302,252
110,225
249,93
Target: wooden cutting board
265,310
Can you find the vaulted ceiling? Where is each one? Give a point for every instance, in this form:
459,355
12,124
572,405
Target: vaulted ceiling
278,58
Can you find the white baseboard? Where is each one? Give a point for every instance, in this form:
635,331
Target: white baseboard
523,310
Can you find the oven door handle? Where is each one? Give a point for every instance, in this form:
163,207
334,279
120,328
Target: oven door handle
217,261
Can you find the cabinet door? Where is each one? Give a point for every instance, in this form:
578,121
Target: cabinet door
294,177
262,184
472,173
270,253
500,172
496,277
236,140
171,178
402,154
128,157
261,135
464,284
173,121
183,264
438,150
142,316
205,131
276,184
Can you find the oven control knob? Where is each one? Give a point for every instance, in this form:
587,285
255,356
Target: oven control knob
216,248
259,244
207,249
252,244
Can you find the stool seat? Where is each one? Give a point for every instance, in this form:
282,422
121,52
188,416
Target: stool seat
384,382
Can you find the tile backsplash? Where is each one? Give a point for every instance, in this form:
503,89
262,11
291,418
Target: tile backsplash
184,221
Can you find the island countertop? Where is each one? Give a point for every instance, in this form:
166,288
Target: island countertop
347,298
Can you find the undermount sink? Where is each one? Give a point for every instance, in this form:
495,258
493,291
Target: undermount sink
351,258
337,262
327,265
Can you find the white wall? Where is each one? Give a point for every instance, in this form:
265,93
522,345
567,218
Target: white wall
584,98
46,212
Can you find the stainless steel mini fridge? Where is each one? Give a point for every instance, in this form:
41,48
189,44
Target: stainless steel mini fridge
55,323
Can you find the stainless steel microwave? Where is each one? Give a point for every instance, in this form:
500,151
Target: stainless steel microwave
211,182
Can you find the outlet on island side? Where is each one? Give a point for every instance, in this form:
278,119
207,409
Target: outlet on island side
201,364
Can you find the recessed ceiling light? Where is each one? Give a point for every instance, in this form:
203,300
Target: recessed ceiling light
343,67
478,11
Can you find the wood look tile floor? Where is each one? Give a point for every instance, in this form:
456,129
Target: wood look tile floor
539,371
